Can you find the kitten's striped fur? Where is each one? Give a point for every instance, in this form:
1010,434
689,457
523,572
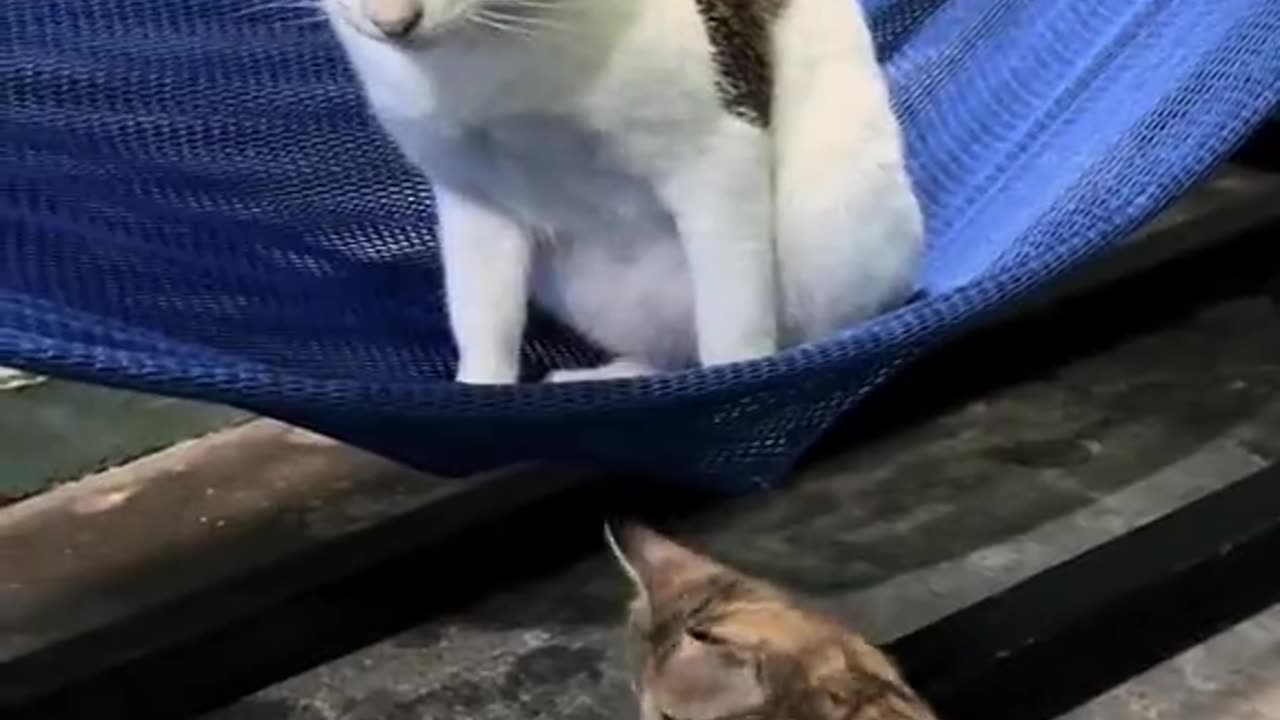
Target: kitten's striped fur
709,643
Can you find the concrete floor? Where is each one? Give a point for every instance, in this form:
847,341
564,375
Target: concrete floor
895,534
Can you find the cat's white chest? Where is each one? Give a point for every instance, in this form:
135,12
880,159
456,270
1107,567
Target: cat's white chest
573,140
549,172
575,154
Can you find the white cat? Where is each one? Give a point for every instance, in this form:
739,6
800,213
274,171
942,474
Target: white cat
681,181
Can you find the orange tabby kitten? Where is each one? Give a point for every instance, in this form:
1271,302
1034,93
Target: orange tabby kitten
710,643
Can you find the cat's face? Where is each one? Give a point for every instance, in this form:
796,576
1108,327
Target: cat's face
405,20
709,643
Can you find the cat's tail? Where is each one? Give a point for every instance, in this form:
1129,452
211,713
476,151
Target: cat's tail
848,226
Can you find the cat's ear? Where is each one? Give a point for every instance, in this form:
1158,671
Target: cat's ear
651,560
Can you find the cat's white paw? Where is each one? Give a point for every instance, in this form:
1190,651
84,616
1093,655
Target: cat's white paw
493,374
476,380
619,369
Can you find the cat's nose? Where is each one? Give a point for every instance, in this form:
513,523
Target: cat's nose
394,18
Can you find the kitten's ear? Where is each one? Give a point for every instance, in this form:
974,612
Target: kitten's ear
650,559
613,532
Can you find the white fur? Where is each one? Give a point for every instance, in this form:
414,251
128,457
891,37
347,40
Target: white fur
581,157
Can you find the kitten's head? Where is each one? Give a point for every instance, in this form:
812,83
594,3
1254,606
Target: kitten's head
709,643
407,20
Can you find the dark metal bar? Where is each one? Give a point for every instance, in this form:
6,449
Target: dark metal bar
1075,630
1262,151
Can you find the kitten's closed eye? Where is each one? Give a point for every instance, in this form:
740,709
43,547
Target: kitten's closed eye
704,636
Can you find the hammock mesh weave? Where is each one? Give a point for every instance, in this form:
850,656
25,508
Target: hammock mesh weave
195,203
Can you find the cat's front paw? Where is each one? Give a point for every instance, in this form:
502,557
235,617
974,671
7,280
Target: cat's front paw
487,375
620,369
474,380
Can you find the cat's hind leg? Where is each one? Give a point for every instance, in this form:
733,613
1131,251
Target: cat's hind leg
618,369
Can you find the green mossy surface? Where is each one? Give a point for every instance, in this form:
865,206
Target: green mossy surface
53,431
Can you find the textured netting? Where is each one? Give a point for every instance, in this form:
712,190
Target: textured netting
195,203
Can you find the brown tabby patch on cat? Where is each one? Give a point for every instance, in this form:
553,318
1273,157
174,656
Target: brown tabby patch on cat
709,643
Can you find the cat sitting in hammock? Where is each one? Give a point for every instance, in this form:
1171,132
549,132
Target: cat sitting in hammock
680,181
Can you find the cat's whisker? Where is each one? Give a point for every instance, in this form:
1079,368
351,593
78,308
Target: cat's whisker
485,20
279,5
529,22
270,7
521,24
532,9
305,21
557,5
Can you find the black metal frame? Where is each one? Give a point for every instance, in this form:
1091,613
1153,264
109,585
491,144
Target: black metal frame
1031,652
1263,148
1074,631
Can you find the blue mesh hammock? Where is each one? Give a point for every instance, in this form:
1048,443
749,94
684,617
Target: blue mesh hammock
194,203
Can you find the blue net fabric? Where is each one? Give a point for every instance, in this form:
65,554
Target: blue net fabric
195,203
